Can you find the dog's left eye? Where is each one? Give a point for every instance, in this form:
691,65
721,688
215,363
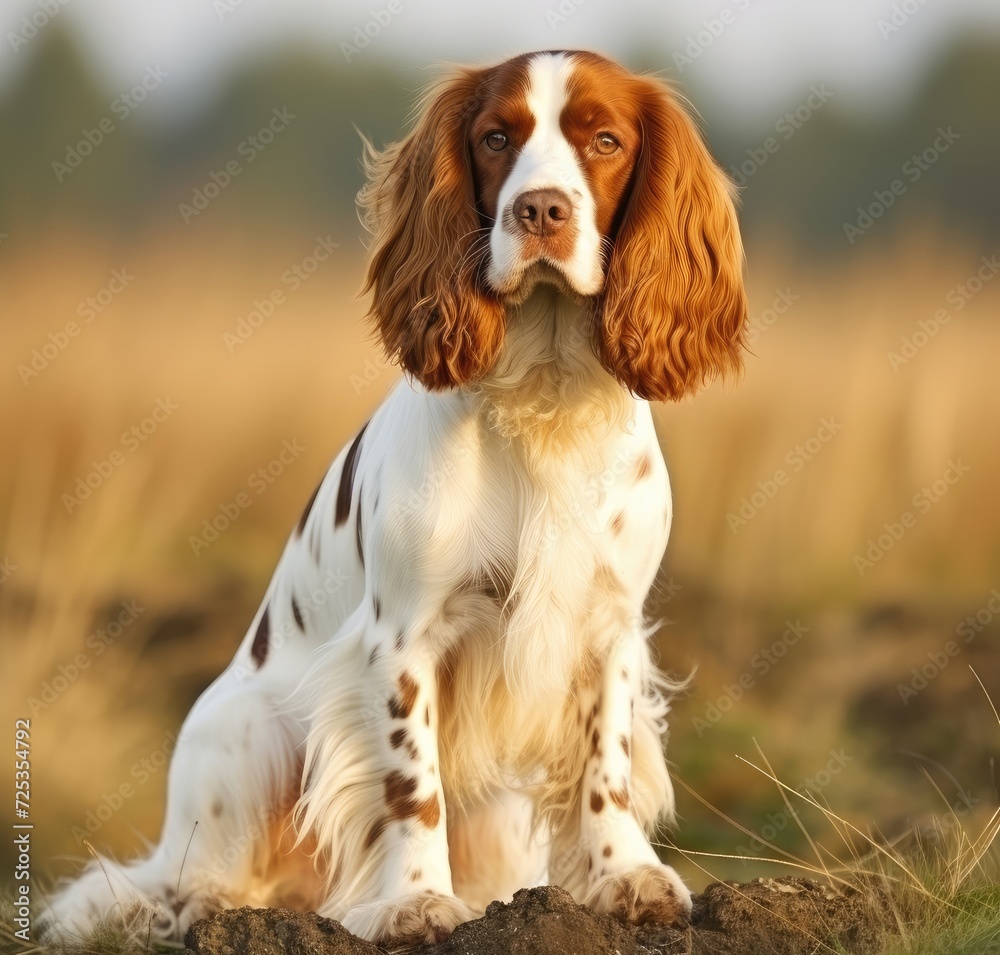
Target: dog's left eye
605,143
496,140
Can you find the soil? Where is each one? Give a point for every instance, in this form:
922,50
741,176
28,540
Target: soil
764,917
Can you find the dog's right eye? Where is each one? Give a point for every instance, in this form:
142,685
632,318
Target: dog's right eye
496,140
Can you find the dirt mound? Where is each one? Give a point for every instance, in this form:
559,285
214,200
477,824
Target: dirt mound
764,917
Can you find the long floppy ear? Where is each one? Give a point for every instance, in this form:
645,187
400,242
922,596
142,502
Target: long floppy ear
673,311
429,305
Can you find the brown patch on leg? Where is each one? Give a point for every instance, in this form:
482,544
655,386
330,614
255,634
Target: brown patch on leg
620,798
399,790
429,811
624,742
643,468
406,695
596,801
606,852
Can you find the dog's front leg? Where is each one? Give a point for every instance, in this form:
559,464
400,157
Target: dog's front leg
374,795
624,876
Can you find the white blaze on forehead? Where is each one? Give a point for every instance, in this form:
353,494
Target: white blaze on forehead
547,160
548,90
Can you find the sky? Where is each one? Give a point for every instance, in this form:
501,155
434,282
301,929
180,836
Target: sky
753,58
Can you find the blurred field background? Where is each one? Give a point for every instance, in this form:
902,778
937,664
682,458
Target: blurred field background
112,619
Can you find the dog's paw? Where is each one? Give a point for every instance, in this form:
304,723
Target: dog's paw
647,893
409,920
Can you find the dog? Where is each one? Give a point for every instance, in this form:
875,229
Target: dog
447,692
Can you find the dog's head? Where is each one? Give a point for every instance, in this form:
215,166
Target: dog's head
562,168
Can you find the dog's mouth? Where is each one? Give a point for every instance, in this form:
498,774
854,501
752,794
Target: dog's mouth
519,285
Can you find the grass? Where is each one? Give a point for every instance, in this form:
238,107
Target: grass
309,374
934,889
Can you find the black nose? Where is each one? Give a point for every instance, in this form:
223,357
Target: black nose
542,211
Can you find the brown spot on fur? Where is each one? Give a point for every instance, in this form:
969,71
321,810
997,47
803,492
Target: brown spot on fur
397,738
399,790
606,852
406,695
345,490
416,875
618,523
429,811
624,673
373,656
378,827
644,467
620,798
624,742
427,716
301,526
297,614
595,738
596,801
357,533
378,609
399,641
217,808
260,646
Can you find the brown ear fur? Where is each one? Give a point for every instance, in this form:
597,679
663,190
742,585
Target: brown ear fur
429,306
673,310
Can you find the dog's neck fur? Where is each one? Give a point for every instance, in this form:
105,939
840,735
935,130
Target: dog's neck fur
548,391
